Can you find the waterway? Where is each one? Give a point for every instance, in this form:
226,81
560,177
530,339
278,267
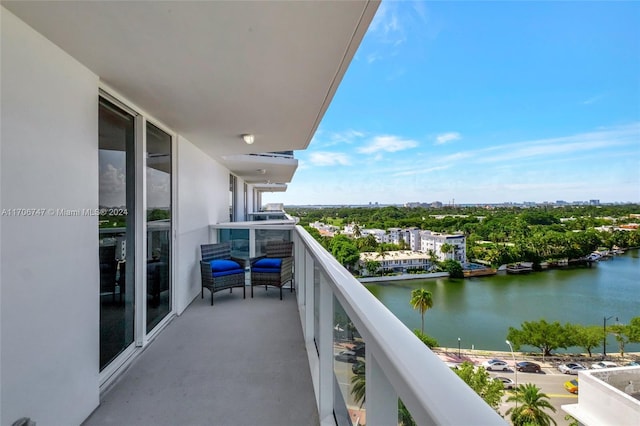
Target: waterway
480,310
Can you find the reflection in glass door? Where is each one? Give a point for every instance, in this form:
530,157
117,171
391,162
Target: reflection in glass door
116,229
158,225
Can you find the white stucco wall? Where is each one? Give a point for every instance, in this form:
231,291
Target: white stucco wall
203,200
48,264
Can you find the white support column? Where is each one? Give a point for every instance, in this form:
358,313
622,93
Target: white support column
325,349
382,399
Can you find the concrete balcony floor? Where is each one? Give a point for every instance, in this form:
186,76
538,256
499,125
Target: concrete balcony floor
239,362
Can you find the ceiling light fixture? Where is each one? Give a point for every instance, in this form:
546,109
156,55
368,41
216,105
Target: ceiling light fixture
249,138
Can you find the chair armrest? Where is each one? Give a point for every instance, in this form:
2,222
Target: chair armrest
242,262
287,263
205,271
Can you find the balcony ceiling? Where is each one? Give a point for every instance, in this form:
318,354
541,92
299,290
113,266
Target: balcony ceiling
214,70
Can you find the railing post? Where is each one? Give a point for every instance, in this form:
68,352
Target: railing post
382,399
325,353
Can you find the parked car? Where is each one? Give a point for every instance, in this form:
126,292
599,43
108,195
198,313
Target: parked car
496,364
507,383
529,367
571,368
632,364
346,356
604,364
572,386
358,348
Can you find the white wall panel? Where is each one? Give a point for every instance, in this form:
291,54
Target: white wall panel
49,263
203,200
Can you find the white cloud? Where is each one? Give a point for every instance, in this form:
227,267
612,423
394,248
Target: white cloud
329,159
325,139
447,137
388,144
421,171
372,57
562,146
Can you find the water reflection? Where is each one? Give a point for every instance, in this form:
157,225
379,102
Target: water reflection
480,310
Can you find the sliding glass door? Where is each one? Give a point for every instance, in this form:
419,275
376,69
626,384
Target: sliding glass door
135,171
158,196
116,224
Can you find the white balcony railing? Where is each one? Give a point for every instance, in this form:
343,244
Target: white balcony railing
398,364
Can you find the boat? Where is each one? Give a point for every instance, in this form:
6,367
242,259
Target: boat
520,268
593,257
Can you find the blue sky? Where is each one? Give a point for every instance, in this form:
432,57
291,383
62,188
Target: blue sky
483,102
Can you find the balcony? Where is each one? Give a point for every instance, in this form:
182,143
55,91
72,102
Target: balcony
266,361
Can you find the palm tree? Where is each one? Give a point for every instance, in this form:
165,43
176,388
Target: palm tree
530,406
356,231
422,300
358,385
446,248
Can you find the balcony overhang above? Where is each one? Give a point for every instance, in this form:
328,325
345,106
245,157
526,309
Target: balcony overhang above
262,168
214,70
270,187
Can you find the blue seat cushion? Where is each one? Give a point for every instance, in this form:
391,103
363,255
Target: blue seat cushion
269,262
229,272
266,270
221,265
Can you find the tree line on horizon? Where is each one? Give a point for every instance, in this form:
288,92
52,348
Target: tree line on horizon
496,236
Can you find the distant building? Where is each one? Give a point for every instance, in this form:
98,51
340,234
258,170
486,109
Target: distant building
594,202
324,229
379,234
434,241
400,260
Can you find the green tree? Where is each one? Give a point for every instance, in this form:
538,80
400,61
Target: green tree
621,334
540,334
482,383
359,385
453,268
422,300
404,417
431,342
633,330
356,231
530,407
372,266
345,251
587,337
447,248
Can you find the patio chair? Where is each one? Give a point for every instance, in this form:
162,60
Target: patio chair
219,270
275,268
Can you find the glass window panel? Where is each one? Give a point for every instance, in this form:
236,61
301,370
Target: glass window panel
232,198
239,239
158,174
265,235
316,304
349,369
116,164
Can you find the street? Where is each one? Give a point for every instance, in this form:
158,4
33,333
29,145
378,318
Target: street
551,382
